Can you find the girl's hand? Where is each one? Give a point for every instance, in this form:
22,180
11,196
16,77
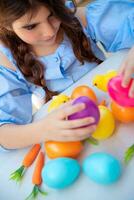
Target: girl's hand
57,128
127,70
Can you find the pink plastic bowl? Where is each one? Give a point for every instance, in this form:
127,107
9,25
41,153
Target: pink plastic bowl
118,93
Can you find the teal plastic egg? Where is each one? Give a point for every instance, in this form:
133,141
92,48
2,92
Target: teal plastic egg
102,168
60,173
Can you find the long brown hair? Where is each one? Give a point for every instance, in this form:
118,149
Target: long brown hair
32,68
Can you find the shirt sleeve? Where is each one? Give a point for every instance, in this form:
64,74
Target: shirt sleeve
38,97
111,23
15,98
37,90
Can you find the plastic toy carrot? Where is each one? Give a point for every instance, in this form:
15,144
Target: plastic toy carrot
27,162
37,179
129,154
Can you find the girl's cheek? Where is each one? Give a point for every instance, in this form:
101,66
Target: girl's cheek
29,38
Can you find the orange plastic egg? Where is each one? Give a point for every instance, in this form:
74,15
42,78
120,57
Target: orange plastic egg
63,149
123,114
84,90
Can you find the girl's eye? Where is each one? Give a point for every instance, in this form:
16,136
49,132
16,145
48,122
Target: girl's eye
30,27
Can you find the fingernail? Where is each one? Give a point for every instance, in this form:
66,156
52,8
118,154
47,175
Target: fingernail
94,128
131,95
91,120
82,105
124,85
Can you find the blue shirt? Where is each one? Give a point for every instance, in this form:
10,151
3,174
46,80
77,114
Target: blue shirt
62,67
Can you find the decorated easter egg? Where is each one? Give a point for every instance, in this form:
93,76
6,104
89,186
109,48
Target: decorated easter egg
120,94
102,168
84,90
57,101
60,172
90,110
106,124
56,149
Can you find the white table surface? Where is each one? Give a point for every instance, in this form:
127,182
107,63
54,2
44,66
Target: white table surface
83,188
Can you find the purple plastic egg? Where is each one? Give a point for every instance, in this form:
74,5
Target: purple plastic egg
91,110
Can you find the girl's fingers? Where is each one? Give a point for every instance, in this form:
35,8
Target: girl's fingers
69,110
79,133
131,91
122,68
126,70
126,77
126,73
69,124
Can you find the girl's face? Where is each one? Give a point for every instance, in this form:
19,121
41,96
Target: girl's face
39,30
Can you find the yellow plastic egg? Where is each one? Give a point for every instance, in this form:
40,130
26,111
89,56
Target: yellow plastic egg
106,124
57,101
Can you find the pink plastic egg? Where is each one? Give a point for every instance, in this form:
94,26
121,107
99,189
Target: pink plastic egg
118,93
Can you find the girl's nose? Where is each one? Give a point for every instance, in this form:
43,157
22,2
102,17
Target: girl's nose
48,30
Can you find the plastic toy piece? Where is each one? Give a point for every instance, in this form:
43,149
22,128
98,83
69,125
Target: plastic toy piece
101,80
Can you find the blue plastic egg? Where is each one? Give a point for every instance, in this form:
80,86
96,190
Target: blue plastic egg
60,173
102,168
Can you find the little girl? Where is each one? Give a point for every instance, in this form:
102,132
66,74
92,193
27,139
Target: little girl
43,50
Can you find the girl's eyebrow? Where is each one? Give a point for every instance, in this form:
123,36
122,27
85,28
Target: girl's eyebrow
33,24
